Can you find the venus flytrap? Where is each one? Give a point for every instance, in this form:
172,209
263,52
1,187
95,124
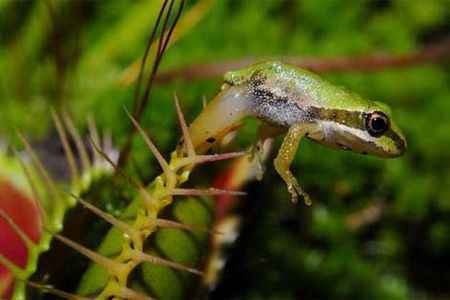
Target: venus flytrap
51,202
46,194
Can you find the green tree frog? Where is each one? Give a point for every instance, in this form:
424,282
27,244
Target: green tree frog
296,101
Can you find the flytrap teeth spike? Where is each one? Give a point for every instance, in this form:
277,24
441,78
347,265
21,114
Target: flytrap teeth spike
107,263
48,181
102,154
84,157
94,136
122,226
23,236
135,183
189,227
116,168
73,168
204,101
201,159
205,192
162,162
99,151
51,290
34,191
107,141
218,157
143,257
148,200
18,272
127,293
184,128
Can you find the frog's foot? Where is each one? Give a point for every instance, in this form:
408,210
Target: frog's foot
294,187
256,156
282,167
296,190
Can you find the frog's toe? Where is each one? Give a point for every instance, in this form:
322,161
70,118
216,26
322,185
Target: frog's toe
256,156
302,193
294,195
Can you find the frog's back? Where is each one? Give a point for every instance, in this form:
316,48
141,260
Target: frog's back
290,83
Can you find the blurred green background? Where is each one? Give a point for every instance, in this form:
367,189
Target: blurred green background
378,229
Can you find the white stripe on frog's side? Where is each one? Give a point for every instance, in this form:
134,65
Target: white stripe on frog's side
330,127
344,137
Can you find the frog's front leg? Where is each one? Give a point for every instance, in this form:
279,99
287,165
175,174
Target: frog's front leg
285,157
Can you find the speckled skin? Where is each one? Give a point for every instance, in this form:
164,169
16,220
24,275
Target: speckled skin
306,105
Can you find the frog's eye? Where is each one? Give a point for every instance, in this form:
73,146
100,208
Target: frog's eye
377,123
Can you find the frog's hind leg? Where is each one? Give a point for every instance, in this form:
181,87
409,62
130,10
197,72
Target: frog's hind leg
285,157
260,151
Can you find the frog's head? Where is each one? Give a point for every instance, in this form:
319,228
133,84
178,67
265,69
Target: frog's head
370,130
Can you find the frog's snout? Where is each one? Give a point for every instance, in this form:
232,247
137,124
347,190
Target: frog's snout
400,146
398,140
